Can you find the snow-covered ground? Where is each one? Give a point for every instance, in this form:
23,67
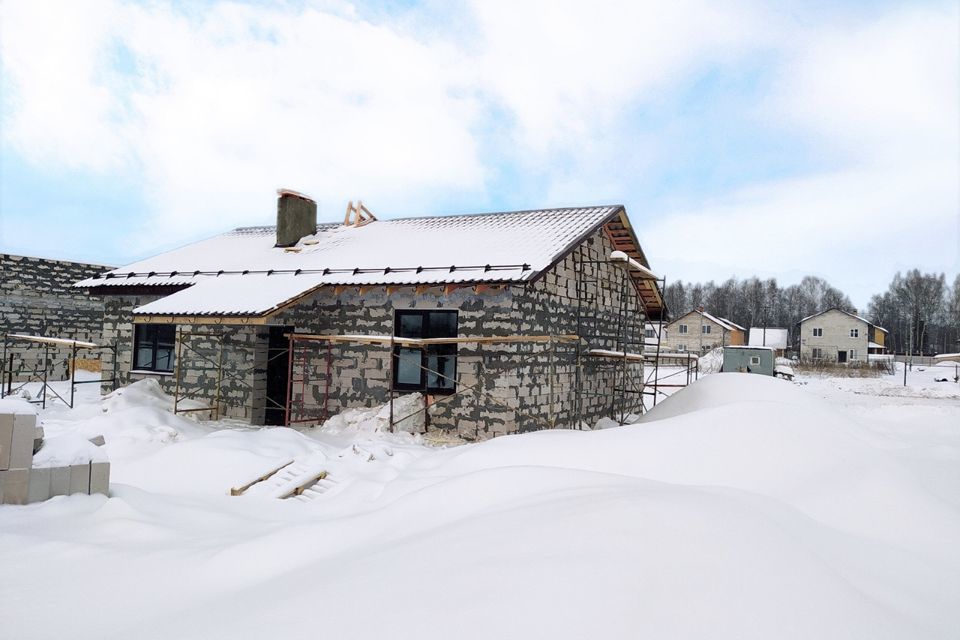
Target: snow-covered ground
741,507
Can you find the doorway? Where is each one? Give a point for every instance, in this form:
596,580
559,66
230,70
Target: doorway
842,357
278,374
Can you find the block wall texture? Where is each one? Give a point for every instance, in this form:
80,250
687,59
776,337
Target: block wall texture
37,298
244,354
505,388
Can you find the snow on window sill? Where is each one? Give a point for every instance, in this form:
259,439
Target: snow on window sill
147,372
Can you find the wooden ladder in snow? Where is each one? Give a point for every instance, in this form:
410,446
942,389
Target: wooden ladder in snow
291,482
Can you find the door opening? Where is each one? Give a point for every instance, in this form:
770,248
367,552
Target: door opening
278,373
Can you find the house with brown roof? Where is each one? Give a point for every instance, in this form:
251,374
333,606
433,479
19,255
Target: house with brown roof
699,332
504,322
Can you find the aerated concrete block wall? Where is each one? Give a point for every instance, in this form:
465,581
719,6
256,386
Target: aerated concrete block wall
244,356
36,298
519,387
21,483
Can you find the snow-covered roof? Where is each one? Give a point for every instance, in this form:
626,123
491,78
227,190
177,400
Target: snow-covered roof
775,337
852,315
242,272
874,345
752,347
734,324
726,324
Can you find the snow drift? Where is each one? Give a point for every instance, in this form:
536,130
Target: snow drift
743,507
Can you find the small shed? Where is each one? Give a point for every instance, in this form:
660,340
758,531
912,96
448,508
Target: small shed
749,360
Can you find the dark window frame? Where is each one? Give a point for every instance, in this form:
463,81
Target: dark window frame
426,330
149,336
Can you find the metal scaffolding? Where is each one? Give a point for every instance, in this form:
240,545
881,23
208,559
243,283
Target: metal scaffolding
41,371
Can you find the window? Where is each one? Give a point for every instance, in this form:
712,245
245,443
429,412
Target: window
432,369
153,347
704,328
854,333
754,361
817,354
683,328
681,347
650,333
818,332
853,354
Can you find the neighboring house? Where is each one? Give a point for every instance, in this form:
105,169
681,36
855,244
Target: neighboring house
36,299
839,336
651,332
698,331
769,337
372,308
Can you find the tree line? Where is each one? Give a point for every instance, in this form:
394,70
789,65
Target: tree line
921,307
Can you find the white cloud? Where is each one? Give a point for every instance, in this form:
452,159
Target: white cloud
228,101
879,103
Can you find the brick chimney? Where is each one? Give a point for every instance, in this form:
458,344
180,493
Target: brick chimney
296,217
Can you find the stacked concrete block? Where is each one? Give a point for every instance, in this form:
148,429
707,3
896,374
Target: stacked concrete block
21,483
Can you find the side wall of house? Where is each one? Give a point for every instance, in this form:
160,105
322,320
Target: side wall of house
836,327
244,355
37,298
503,388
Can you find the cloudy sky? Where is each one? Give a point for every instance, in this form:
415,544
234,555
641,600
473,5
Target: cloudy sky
775,139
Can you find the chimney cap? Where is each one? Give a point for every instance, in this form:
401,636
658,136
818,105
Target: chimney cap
295,194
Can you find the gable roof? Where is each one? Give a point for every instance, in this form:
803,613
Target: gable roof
722,322
241,272
776,337
852,315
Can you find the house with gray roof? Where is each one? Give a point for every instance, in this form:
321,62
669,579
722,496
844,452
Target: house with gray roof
505,321
835,335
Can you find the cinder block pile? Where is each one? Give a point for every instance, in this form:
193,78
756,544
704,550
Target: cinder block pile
21,483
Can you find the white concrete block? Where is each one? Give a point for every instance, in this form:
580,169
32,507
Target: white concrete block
14,486
60,481
21,446
39,485
79,478
100,478
6,439
98,440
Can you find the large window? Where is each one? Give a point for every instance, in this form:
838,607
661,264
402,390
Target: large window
683,328
705,328
432,369
153,347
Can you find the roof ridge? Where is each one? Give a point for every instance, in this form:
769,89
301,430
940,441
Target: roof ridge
481,214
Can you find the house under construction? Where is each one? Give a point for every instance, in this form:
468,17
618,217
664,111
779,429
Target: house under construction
506,322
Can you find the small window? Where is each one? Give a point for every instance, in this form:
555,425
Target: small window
650,333
705,328
681,347
853,354
754,361
854,333
683,328
432,369
153,347
817,354
818,332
